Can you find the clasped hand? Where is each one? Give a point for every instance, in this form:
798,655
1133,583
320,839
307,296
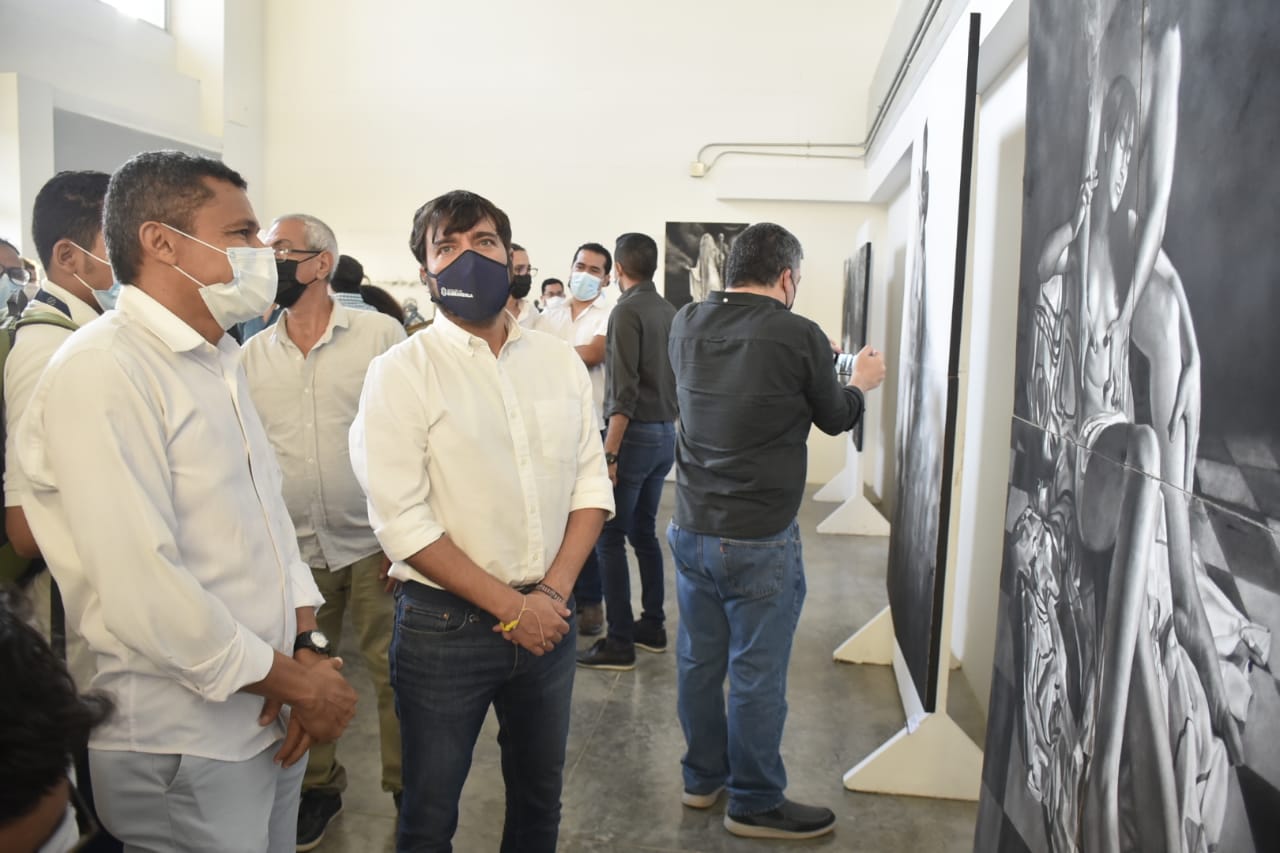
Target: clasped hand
321,716
540,624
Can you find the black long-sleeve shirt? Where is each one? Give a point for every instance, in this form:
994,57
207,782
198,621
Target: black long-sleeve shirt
751,377
638,381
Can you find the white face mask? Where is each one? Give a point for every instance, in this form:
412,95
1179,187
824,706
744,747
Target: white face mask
554,301
252,289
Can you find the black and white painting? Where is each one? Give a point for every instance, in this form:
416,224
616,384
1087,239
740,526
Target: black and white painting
695,259
853,323
1133,705
925,435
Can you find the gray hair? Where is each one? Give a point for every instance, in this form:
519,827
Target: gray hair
319,236
760,254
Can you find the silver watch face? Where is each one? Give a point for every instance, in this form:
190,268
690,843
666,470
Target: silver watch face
320,640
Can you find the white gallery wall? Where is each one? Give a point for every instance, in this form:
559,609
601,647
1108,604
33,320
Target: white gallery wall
579,119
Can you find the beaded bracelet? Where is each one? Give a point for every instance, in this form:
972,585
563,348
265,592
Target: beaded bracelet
549,592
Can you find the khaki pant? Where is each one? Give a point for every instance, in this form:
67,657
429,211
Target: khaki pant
372,612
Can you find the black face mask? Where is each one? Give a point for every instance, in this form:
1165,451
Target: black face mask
288,289
520,285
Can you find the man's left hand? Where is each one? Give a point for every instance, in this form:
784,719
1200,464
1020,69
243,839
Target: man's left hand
613,474
384,575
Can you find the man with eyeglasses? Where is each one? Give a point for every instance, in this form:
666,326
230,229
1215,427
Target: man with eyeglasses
305,375
519,305
13,278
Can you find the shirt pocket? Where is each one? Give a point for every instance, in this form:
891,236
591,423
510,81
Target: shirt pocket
559,429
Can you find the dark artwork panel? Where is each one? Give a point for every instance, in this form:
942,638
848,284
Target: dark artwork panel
696,253
853,324
1145,546
928,387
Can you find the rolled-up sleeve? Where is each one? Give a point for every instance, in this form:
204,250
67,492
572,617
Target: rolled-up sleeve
391,427
836,408
591,488
123,526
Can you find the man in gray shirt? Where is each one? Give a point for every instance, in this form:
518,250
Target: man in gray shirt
640,406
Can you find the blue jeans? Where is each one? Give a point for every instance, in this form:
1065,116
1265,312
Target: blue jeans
648,451
739,601
447,667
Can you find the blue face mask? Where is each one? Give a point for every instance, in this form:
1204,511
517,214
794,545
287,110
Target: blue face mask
106,298
8,287
473,288
584,286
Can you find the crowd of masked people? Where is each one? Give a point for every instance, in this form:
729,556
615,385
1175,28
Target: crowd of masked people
221,441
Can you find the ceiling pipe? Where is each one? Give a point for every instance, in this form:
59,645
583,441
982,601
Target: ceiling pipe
699,168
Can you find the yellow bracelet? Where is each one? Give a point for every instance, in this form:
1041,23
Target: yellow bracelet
508,627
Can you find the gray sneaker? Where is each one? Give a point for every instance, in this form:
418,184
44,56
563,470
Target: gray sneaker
789,820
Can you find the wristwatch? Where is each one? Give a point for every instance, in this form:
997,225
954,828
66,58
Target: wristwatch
316,641
610,458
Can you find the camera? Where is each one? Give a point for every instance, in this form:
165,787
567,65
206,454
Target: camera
844,365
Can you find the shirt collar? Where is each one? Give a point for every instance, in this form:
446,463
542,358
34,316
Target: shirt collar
176,334
339,318
464,340
80,313
642,287
742,297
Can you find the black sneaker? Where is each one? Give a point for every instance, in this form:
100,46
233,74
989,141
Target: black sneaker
651,637
608,654
316,811
789,820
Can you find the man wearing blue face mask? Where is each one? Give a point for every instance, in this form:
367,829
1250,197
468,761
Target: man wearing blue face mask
582,321
156,499
477,444
78,285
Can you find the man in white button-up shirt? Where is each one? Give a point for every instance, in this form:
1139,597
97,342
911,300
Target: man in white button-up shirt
305,374
66,222
478,445
156,500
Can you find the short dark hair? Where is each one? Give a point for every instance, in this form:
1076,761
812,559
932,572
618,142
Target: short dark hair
637,254
46,721
516,247
156,186
347,275
599,250
68,206
760,254
547,282
382,301
455,211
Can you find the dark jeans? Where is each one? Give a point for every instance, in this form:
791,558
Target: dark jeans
648,451
447,667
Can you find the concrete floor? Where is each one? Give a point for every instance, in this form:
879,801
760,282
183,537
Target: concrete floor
622,787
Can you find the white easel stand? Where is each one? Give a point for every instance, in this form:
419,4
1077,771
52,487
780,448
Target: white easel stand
855,516
931,756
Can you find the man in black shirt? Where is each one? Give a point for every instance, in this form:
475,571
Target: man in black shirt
639,447
751,378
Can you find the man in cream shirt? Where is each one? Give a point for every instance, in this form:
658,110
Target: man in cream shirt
156,500
305,374
478,445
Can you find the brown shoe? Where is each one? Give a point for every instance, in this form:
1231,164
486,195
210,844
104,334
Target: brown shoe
591,619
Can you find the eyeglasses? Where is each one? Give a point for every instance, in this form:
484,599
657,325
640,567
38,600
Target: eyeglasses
283,253
520,269
17,275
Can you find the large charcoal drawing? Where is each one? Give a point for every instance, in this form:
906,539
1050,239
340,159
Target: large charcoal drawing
1141,580
696,253
926,432
853,325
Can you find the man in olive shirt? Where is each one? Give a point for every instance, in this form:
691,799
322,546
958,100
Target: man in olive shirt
751,378
639,445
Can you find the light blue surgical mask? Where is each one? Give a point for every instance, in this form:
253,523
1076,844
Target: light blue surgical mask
584,286
8,287
105,298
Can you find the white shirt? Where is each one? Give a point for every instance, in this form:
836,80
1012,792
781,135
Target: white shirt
494,451
155,498
528,315
591,322
32,349
307,405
